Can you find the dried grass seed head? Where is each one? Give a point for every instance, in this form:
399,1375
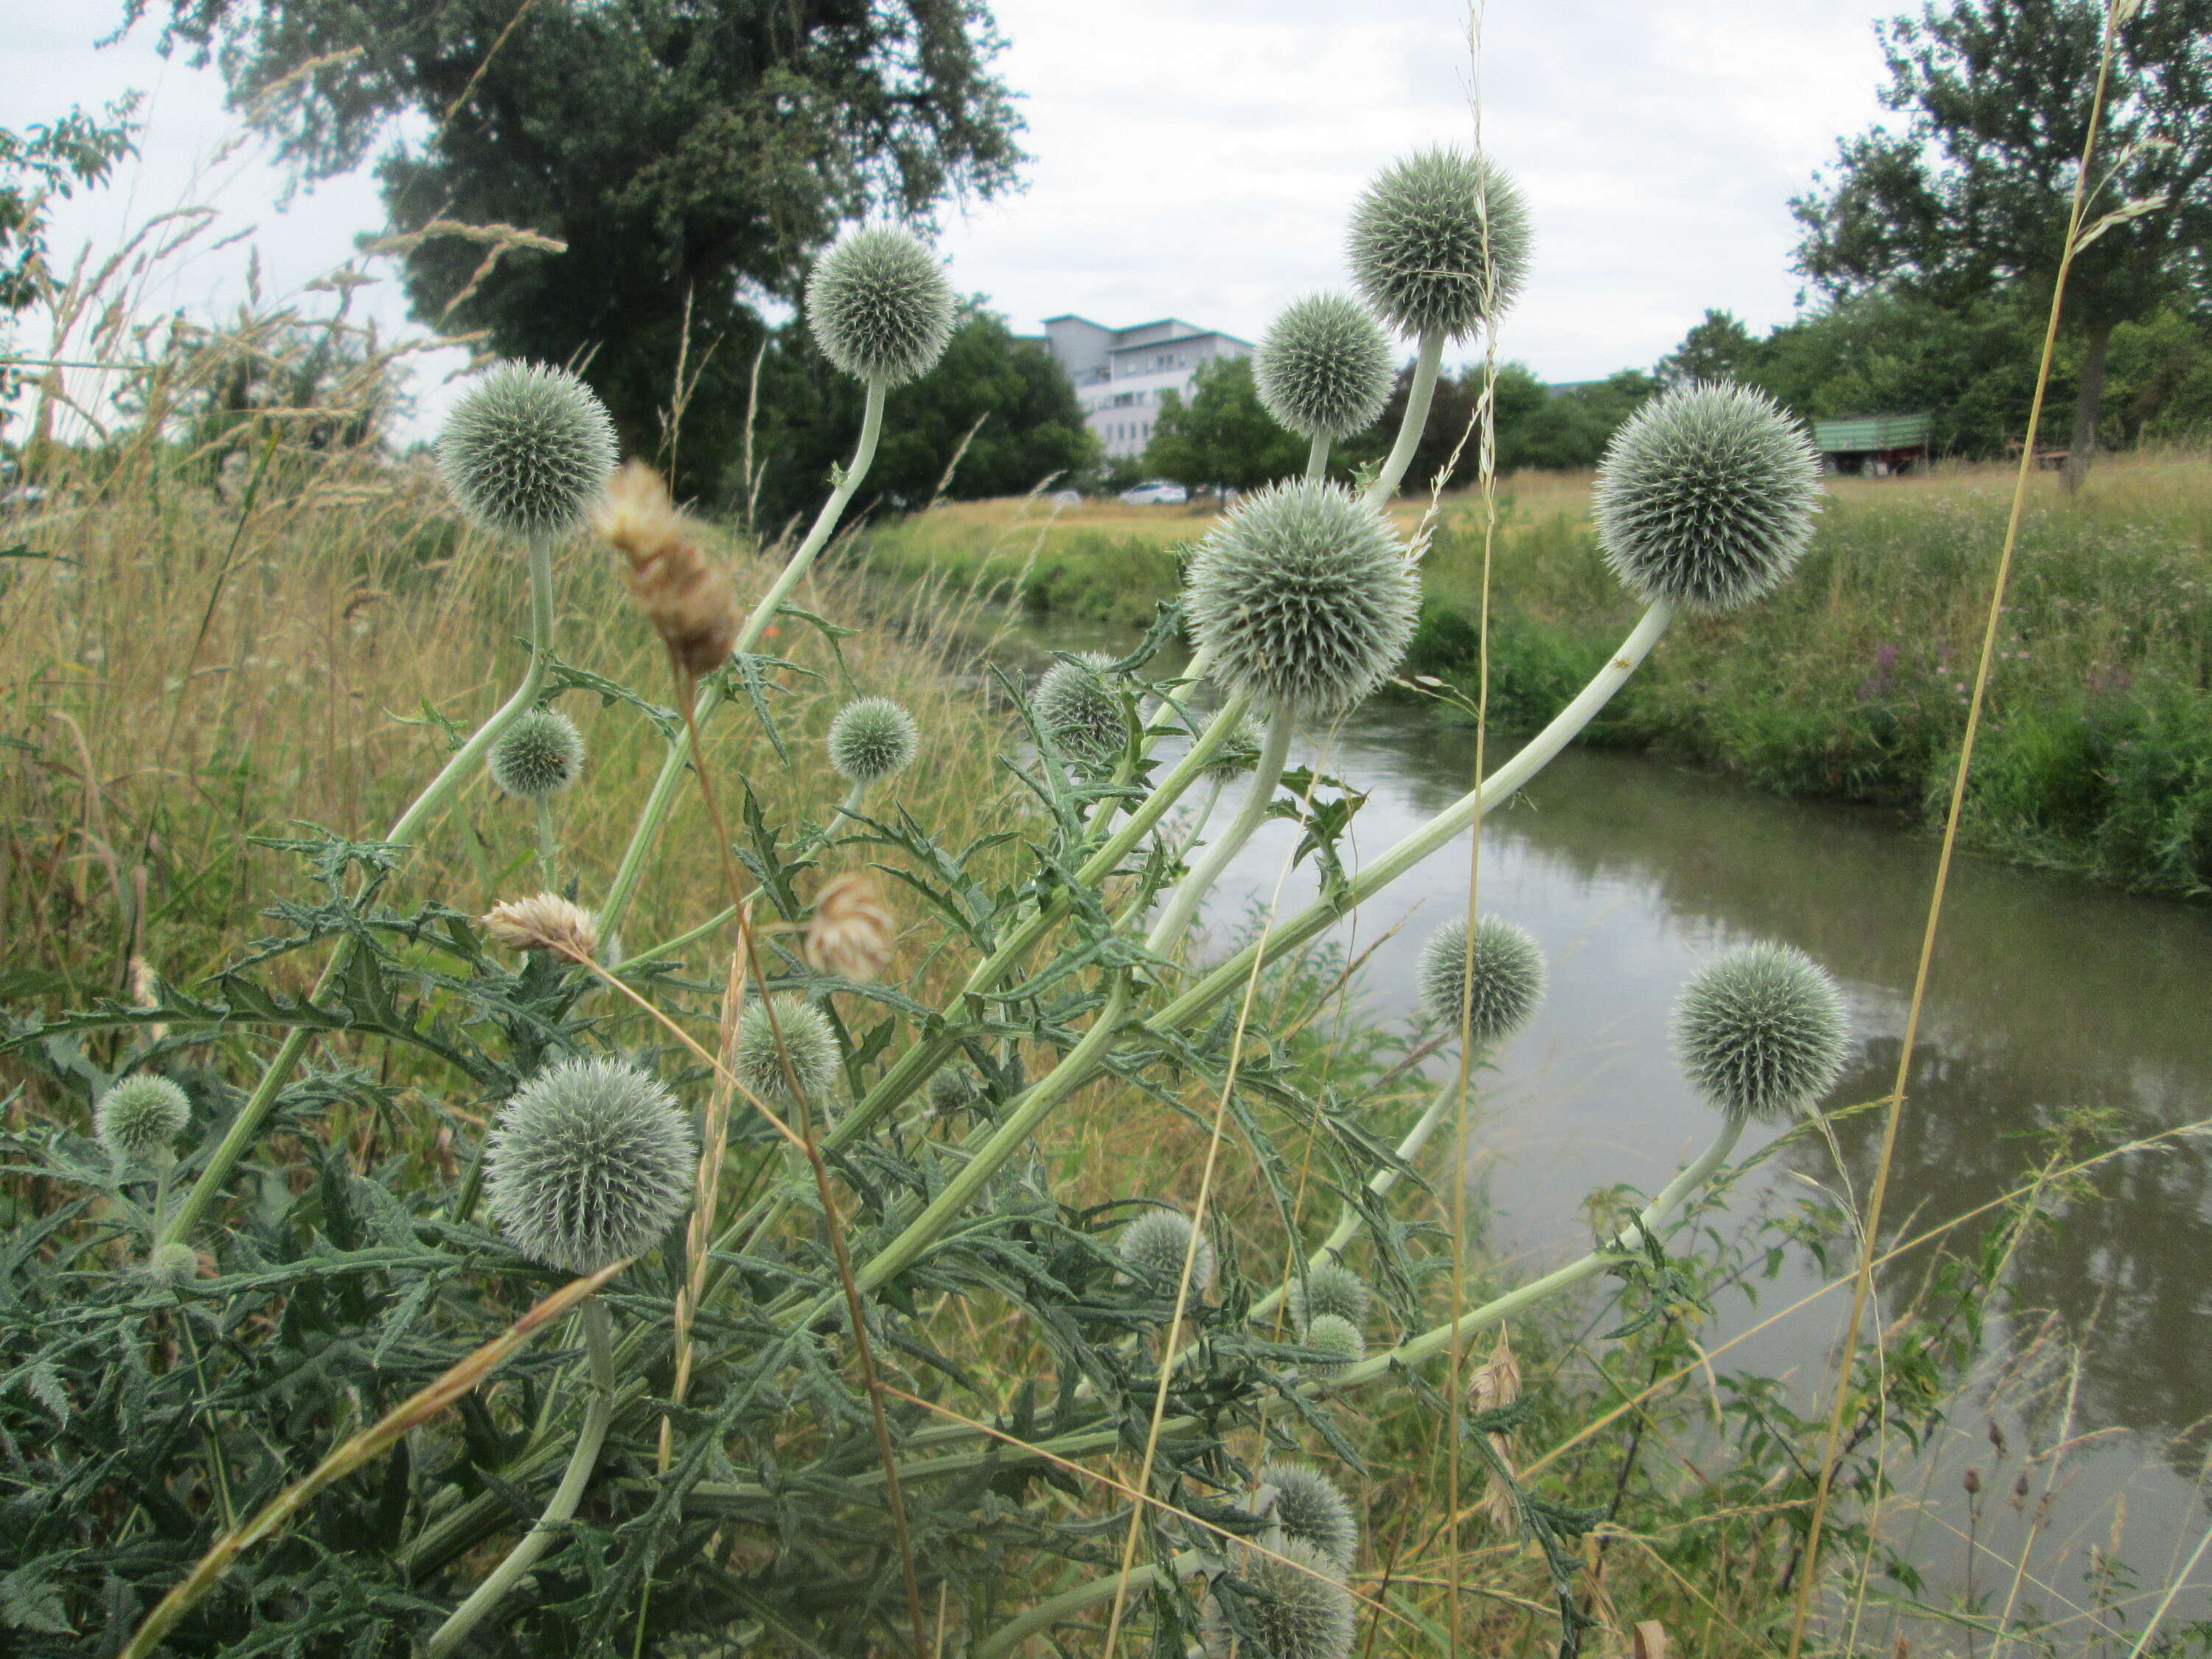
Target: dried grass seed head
1329,1288
1153,1247
1324,368
1440,239
1310,1509
871,740
538,755
1292,1594
1304,598
852,929
685,594
1496,993
1078,711
809,1041
1705,497
1761,1031
139,1118
880,307
590,1162
543,921
527,449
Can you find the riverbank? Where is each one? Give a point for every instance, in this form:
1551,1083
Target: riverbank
1850,684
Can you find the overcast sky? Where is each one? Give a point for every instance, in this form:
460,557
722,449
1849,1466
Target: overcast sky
1197,158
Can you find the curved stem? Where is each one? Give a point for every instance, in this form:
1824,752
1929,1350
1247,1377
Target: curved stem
1182,904
1317,458
1414,422
846,808
598,1345
245,1128
1197,824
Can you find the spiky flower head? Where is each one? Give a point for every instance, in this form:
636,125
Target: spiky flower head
538,755
1153,1247
1760,1031
140,1117
1239,754
173,1264
1077,710
1496,993
872,739
1440,241
1292,1596
1303,597
1309,1509
527,450
1330,1288
809,1042
1324,368
1705,497
880,307
955,1088
1337,1336
590,1162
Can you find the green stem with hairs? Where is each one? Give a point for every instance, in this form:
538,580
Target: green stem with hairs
246,1128
1426,362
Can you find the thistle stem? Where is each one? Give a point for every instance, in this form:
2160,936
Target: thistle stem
549,850
1415,420
1182,904
598,1347
1317,458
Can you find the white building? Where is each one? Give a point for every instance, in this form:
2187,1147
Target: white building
1120,373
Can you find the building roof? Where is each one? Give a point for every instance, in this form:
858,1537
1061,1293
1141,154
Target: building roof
1177,340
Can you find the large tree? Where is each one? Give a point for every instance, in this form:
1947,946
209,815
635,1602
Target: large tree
1972,196
1224,436
693,154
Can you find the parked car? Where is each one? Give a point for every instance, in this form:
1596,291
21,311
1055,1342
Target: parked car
1067,498
1156,492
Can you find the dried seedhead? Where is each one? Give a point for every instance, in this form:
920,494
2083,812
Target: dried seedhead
852,929
685,594
543,921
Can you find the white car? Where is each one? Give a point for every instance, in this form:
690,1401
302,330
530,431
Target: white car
1157,493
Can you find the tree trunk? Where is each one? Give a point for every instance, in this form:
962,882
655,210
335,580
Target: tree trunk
2087,399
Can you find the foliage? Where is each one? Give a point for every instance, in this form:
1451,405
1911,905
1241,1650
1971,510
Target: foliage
1223,438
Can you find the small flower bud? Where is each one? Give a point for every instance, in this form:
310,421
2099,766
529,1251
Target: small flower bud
1336,1336
1495,991
880,307
1078,711
1309,1509
1324,368
139,1118
527,450
538,755
1760,1032
173,1264
1330,1288
809,1042
1292,1594
1154,1246
872,739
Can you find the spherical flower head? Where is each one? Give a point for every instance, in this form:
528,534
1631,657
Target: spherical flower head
1330,1288
1760,1032
872,739
880,307
140,1117
1309,1509
1292,1596
1303,597
1239,754
1705,497
1324,368
1078,711
1336,1336
1153,1247
809,1042
1440,241
538,755
527,450
955,1088
1496,993
173,1264
590,1162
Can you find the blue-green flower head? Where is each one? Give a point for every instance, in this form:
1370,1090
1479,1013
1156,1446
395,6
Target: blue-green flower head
810,1043
1294,1596
1761,1032
1706,498
527,450
1496,992
871,740
1153,1247
880,307
1329,1288
173,1264
1078,711
139,1118
1309,1509
590,1162
1337,1337
1440,241
1324,368
1304,598
537,756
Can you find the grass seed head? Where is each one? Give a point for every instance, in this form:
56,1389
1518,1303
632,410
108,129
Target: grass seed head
1330,1288
1440,241
537,756
140,1117
1309,1509
1304,598
808,1039
686,595
1496,993
590,1162
1705,497
1078,711
880,307
543,921
1153,1247
527,450
1324,368
871,740
1297,1605
852,929
1760,1032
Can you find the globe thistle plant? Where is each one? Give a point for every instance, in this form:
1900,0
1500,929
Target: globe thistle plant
1324,368
810,1043
527,450
1309,1509
1496,992
956,1089
1705,497
1237,755
1077,709
1153,1247
880,307
1760,1032
1336,1336
139,1118
1440,242
173,1264
1304,598
1327,1288
590,1162
1292,1594
537,756
872,739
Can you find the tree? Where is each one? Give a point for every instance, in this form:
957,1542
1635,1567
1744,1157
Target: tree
1222,437
692,155
1573,424
1718,349
1973,196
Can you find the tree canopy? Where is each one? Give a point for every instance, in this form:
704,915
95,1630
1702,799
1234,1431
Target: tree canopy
1223,437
